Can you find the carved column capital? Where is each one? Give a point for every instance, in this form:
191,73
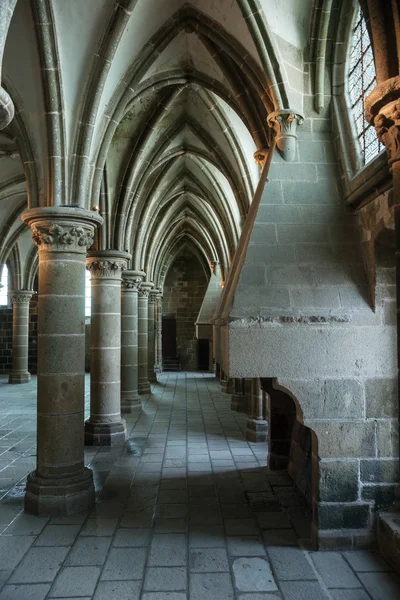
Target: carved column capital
382,109
107,263
285,122
21,296
62,228
145,289
131,280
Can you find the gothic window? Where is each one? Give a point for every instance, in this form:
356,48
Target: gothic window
4,289
361,81
88,295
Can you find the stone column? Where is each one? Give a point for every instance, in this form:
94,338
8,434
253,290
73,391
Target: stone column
61,484
130,399
6,106
159,298
239,402
151,336
105,427
20,300
143,381
226,383
257,426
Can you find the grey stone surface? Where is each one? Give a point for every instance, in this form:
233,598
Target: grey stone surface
334,570
253,575
75,581
300,568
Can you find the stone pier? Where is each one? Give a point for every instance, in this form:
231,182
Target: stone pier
143,358
61,484
130,398
20,346
105,426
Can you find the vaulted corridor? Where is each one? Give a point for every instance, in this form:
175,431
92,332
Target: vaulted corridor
185,509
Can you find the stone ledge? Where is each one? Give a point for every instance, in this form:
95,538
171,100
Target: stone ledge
389,538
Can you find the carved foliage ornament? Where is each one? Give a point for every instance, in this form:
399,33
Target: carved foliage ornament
387,125
21,297
65,236
144,292
106,268
131,284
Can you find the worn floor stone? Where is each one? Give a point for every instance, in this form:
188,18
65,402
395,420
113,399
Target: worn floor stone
176,531
253,575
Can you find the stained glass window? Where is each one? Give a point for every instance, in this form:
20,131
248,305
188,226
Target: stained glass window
362,79
4,289
88,295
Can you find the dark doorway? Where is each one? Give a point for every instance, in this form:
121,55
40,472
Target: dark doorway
169,337
203,361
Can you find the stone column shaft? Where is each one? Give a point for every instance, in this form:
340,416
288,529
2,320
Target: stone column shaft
257,426
143,333
105,427
239,401
159,332
61,484
20,343
151,336
129,340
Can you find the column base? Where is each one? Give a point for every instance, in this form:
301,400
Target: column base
153,378
256,430
239,403
59,496
105,434
19,377
130,402
144,388
226,387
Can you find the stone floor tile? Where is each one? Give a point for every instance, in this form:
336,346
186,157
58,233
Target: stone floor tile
168,550
359,594
58,535
280,537
211,586
164,596
208,560
89,551
99,527
241,527
164,525
12,550
124,564
361,560
302,590
381,586
26,524
245,546
334,570
25,592
75,581
207,537
165,579
40,565
253,575
118,590
132,538
281,558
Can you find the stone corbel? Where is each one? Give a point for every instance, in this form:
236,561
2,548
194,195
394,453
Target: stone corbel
285,122
382,109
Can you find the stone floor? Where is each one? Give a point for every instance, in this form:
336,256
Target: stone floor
186,510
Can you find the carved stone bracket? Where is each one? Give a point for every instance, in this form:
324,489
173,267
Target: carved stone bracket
145,289
21,296
260,156
131,280
382,109
285,122
107,263
62,228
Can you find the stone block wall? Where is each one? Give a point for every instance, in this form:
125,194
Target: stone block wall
184,289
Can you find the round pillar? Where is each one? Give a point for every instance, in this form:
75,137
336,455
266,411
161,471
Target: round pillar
105,427
143,381
130,399
20,300
151,314
158,318
61,484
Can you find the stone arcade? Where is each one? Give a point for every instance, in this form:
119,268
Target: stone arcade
199,207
